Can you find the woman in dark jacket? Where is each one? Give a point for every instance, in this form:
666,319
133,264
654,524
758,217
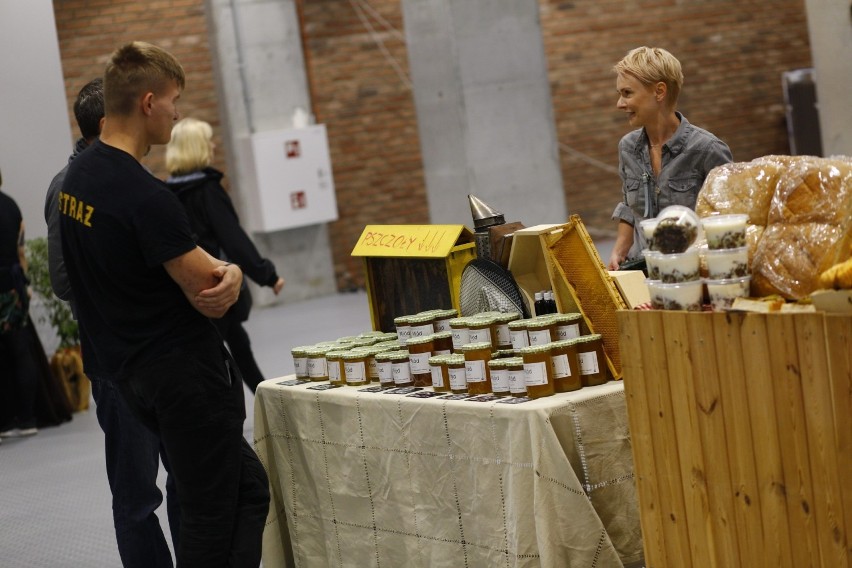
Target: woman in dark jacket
217,230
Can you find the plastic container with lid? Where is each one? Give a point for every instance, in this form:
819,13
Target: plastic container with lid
476,357
419,350
502,336
317,366
725,231
479,329
677,228
518,333
403,328
401,369
336,372
355,368
443,343
723,264
568,326
440,373
515,376
420,324
538,371
566,368
442,319
540,329
590,356
458,327
457,373
499,371
300,361
385,369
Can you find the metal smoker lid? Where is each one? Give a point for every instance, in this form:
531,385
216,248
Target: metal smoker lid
484,216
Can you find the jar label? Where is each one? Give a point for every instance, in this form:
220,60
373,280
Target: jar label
535,374
301,365
421,330
442,325
520,338
561,368
460,337
437,377
372,368
475,371
516,381
539,337
403,333
503,335
385,372
442,352
334,371
499,380
568,331
419,362
479,335
458,378
317,367
355,371
589,363
401,372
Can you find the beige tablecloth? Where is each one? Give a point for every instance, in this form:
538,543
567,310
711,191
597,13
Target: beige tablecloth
372,479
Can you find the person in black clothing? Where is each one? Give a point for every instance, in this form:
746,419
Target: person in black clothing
217,230
144,292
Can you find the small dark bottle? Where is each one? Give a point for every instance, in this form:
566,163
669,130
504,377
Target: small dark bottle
550,301
540,305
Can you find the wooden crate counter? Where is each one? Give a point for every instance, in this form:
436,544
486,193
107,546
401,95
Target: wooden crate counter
741,428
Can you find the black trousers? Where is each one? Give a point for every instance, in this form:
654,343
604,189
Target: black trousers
194,400
232,331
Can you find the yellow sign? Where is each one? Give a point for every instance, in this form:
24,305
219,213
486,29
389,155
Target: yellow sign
415,241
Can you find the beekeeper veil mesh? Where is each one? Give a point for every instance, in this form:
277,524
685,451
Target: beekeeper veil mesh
487,286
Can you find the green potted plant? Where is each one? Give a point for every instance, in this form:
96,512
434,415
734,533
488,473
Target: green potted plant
66,363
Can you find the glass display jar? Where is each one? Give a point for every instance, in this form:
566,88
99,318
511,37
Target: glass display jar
440,373
370,360
300,361
317,367
502,335
419,350
566,370
568,326
518,334
457,373
443,342
355,368
590,355
540,330
442,319
499,371
515,376
336,372
385,369
401,369
403,328
479,330
538,371
420,324
458,327
476,357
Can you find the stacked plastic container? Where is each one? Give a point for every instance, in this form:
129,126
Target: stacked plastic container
726,256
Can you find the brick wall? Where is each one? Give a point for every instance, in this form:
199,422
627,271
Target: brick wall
733,54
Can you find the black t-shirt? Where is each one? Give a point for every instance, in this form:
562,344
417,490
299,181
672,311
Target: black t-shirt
10,226
119,225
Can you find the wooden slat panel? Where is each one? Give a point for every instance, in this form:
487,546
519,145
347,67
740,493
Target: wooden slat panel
816,391
766,440
636,387
711,423
741,451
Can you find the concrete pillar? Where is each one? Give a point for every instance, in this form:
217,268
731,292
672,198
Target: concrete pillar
262,80
484,110
830,29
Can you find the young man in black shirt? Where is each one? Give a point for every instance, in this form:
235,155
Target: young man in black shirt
144,292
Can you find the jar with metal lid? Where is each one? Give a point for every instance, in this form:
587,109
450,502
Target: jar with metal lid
370,359
363,341
336,373
515,376
502,335
443,341
538,371
499,371
568,326
403,328
440,373
421,324
419,350
317,367
371,333
355,368
300,361
590,354
401,369
504,354
541,330
457,373
458,327
388,336
566,369
518,333
442,319
479,329
388,346
385,369
476,357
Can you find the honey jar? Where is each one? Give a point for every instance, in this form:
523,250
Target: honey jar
300,361
499,371
419,350
336,373
590,355
476,357
568,326
566,370
401,369
540,330
442,319
420,324
458,327
385,369
443,342
457,373
440,373
515,376
403,328
518,334
538,371
479,329
502,335
317,367
370,360
355,368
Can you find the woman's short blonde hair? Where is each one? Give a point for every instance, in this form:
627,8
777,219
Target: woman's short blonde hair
652,65
190,148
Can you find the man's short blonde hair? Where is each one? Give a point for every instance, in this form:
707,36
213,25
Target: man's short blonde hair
190,148
134,69
652,65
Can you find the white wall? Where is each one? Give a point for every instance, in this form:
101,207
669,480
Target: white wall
35,134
